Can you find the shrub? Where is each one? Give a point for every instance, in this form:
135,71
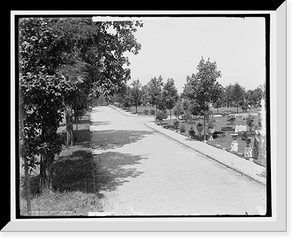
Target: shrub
176,124
187,116
160,115
244,135
198,124
192,132
178,110
152,112
228,128
146,111
231,119
182,128
250,121
217,134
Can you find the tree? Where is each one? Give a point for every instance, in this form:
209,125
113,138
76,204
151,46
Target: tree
127,98
178,110
254,96
155,90
160,116
42,94
136,93
144,94
170,94
237,95
228,95
65,62
203,87
219,93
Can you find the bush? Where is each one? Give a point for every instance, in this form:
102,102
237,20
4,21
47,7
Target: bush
176,124
228,128
250,121
178,110
182,128
161,115
187,116
152,112
146,111
231,119
192,132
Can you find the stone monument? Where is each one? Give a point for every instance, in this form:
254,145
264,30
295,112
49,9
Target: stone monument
234,144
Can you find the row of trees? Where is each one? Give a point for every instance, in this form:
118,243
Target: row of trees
157,93
65,63
200,91
236,96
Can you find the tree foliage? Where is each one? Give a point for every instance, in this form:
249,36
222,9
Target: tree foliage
202,88
155,90
136,93
170,94
66,62
237,95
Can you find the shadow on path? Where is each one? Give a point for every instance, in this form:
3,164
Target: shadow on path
114,169
111,139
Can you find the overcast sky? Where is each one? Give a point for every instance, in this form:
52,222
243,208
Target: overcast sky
173,47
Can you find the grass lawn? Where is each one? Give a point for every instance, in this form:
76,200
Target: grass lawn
140,110
222,142
233,110
74,185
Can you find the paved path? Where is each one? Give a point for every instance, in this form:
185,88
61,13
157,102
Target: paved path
146,173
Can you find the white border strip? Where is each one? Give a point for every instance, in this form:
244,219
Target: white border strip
278,98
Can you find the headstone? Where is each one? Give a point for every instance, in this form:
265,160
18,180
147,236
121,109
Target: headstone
247,151
240,128
234,146
248,148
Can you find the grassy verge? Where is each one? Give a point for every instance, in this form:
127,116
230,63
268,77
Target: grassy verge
74,186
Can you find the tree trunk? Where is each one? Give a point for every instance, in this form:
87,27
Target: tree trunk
237,108
69,128
204,129
170,113
76,115
76,119
136,106
46,173
27,183
27,176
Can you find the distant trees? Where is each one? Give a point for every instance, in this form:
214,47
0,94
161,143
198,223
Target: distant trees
145,94
237,95
136,93
155,90
161,95
170,94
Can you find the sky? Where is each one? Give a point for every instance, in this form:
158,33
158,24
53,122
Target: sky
173,47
